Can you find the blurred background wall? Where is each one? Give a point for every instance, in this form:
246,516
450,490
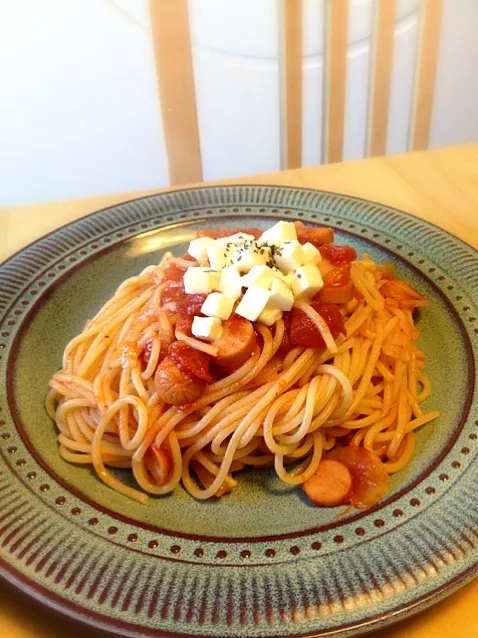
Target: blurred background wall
79,108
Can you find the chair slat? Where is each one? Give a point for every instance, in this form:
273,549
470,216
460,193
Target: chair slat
336,36
381,76
174,67
292,27
426,74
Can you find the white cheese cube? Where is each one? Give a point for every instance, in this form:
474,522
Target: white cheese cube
269,315
280,275
307,281
198,247
230,282
237,238
261,276
209,328
281,295
246,258
217,255
311,254
200,281
280,232
253,303
218,305
289,256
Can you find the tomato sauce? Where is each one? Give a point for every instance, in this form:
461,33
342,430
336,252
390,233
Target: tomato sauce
303,332
191,361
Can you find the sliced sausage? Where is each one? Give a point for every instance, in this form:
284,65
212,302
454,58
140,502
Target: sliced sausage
175,386
370,477
236,343
316,236
330,485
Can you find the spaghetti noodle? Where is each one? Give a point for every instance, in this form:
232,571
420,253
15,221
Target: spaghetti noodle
355,398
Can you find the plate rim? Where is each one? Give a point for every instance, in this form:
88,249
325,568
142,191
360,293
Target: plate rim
93,619
389,617
225,186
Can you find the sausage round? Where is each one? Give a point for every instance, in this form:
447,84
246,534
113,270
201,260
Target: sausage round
176,387
236,343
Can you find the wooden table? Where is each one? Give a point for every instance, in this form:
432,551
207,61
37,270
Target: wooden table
440,186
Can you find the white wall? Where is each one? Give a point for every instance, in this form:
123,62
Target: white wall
78,101
79,111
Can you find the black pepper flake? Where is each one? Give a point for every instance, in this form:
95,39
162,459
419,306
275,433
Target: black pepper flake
299,276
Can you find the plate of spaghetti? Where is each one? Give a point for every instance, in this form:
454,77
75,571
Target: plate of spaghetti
240,411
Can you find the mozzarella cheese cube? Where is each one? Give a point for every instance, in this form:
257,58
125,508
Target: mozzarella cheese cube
269,315
237,238
289,255
217,255
280,232
261,276
311,254
198,280
230,282
306,282
198,247
218,305
247,257
280,275
281,295
209,328
253,303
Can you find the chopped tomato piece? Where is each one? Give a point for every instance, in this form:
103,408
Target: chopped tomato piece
146,353
174,291
191,361
399,293
304,333
184,324
174,273
337,275
369,476
400,290
190,304
338,254
337,294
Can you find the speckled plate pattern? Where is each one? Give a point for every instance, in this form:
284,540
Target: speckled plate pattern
261,561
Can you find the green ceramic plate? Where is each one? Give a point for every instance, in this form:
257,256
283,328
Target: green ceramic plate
261,561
